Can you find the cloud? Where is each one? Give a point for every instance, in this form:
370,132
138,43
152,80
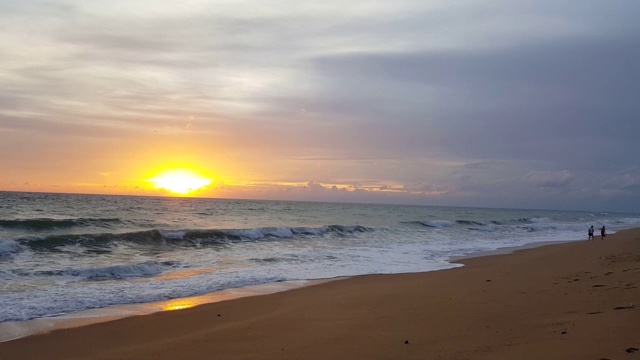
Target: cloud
499,103
549,179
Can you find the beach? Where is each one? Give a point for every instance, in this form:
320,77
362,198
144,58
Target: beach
574,300
62,254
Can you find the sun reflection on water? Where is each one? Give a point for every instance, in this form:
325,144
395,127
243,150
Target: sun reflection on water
179,305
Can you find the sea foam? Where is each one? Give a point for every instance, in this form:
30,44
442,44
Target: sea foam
8,246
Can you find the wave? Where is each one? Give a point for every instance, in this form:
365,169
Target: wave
197,237
114,272
43,224
446,223
470,222
9,247
528,224
533,220
432,223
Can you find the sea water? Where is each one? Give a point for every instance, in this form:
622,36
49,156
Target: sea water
64,253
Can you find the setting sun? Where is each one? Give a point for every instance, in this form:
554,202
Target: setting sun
179,181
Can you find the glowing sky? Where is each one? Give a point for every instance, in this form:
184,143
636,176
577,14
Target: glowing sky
527,104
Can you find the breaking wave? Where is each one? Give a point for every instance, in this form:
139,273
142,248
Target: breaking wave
114,272
8,247
466,223
197,237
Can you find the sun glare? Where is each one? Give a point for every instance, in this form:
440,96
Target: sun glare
178,305
180,182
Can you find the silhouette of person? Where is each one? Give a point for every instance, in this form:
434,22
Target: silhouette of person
591,233
603,233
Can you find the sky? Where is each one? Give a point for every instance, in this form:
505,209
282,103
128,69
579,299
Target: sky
513,104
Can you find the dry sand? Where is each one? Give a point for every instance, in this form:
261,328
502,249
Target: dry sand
569,301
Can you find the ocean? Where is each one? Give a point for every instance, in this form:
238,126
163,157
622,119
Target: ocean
66,253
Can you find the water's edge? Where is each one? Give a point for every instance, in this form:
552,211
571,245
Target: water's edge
12,330
509,250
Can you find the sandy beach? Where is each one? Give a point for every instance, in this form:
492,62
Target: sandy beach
569,301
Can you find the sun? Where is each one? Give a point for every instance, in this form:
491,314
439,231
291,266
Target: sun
179,181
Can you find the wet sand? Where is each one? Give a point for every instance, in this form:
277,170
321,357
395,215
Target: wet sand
568,301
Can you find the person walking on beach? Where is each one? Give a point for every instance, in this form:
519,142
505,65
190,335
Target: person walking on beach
591,233
603,233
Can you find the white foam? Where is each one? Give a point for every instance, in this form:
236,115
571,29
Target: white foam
309,231
8,246
147,268
540,220
253,234
280,232
173,235
438,223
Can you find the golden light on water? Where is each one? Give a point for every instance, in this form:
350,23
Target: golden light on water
180,181
178,305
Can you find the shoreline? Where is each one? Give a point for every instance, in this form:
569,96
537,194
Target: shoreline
13,330
566,301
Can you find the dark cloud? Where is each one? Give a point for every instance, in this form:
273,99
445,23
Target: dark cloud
548,179
558,100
